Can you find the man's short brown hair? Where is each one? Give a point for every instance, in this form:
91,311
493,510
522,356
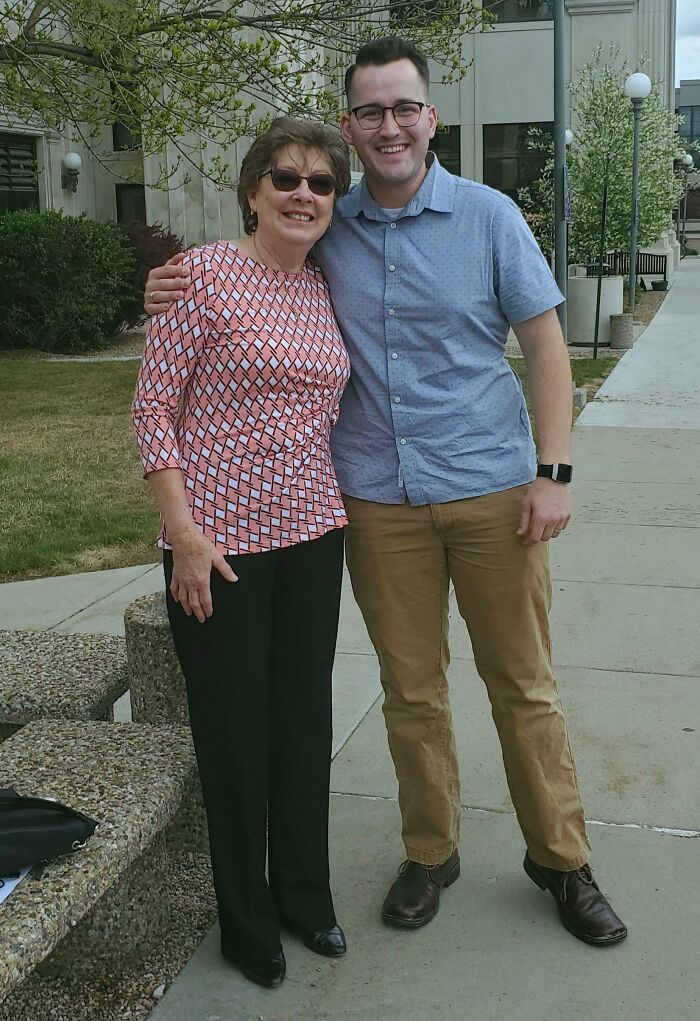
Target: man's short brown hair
386,50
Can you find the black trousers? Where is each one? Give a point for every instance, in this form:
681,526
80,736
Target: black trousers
258,676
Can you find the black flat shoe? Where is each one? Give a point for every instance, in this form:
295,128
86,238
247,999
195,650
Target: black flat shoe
269,974
327,942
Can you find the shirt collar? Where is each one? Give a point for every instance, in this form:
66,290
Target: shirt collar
437,192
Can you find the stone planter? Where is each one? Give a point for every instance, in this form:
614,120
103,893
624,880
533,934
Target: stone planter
581,308
622,331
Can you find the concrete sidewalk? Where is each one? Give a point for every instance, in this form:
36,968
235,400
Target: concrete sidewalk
626,605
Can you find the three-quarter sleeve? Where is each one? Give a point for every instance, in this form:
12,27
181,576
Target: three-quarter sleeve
174,343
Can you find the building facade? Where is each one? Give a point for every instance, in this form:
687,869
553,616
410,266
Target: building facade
688,107
485,120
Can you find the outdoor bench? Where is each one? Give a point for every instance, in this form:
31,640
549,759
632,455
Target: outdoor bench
97,910
157,690
46,675
156,684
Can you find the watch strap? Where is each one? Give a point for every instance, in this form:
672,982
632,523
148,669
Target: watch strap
557,472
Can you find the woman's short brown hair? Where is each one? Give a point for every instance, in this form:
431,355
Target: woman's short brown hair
284,131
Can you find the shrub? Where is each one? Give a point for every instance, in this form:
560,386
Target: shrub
62,280
152,245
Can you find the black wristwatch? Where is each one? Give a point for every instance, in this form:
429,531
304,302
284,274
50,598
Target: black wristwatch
555,472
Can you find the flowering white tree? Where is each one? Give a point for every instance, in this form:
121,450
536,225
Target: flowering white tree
603,125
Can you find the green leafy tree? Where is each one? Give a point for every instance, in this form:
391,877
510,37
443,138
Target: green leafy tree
190,77
603,125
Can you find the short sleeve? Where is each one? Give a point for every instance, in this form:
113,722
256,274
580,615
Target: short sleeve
522,279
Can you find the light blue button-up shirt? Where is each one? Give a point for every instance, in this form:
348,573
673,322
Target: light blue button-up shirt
433,412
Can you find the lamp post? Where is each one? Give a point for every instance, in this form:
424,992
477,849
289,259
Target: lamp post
601,254
688,162
637,87
561,269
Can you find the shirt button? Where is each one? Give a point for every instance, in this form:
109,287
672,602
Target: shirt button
393,226
391,312
397,400
394,354
392,268
402,442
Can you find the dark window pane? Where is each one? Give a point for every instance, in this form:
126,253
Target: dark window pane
695,128
510,160
685,128
131,203
18,173
507,11
446,145
123,138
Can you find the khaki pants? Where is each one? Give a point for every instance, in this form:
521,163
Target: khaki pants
401,559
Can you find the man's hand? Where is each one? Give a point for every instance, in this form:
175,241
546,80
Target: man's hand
165,285
194,556
546,511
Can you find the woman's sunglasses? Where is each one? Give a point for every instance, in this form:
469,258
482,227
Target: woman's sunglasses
289,180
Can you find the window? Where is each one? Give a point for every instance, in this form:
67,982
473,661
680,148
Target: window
510,160
689,130
415,13
446,146
18,184
131,203
506,11
123,138
686,127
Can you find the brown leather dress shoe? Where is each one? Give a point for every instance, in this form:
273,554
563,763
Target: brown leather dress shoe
583,909
414,896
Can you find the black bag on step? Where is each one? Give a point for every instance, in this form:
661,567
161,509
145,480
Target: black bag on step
38,830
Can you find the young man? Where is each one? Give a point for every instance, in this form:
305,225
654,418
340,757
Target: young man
434,455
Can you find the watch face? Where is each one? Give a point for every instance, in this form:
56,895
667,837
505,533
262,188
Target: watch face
562,472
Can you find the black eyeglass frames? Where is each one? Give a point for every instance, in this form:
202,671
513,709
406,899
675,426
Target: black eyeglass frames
406,114
289,180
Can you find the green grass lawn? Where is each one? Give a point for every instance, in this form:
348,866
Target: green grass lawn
71,493
587,372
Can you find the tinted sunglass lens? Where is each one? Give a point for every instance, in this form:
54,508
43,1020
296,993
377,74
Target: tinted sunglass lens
285,180
321,184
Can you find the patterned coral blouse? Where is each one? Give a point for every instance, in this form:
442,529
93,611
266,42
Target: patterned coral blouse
239,386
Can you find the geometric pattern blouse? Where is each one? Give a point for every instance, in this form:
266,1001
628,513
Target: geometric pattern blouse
239,386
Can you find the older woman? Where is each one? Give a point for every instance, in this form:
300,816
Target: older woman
239,386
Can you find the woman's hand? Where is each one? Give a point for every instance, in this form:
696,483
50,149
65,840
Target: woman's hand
194,556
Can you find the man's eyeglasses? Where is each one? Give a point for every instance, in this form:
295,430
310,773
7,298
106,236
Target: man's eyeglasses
289,180
405,114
